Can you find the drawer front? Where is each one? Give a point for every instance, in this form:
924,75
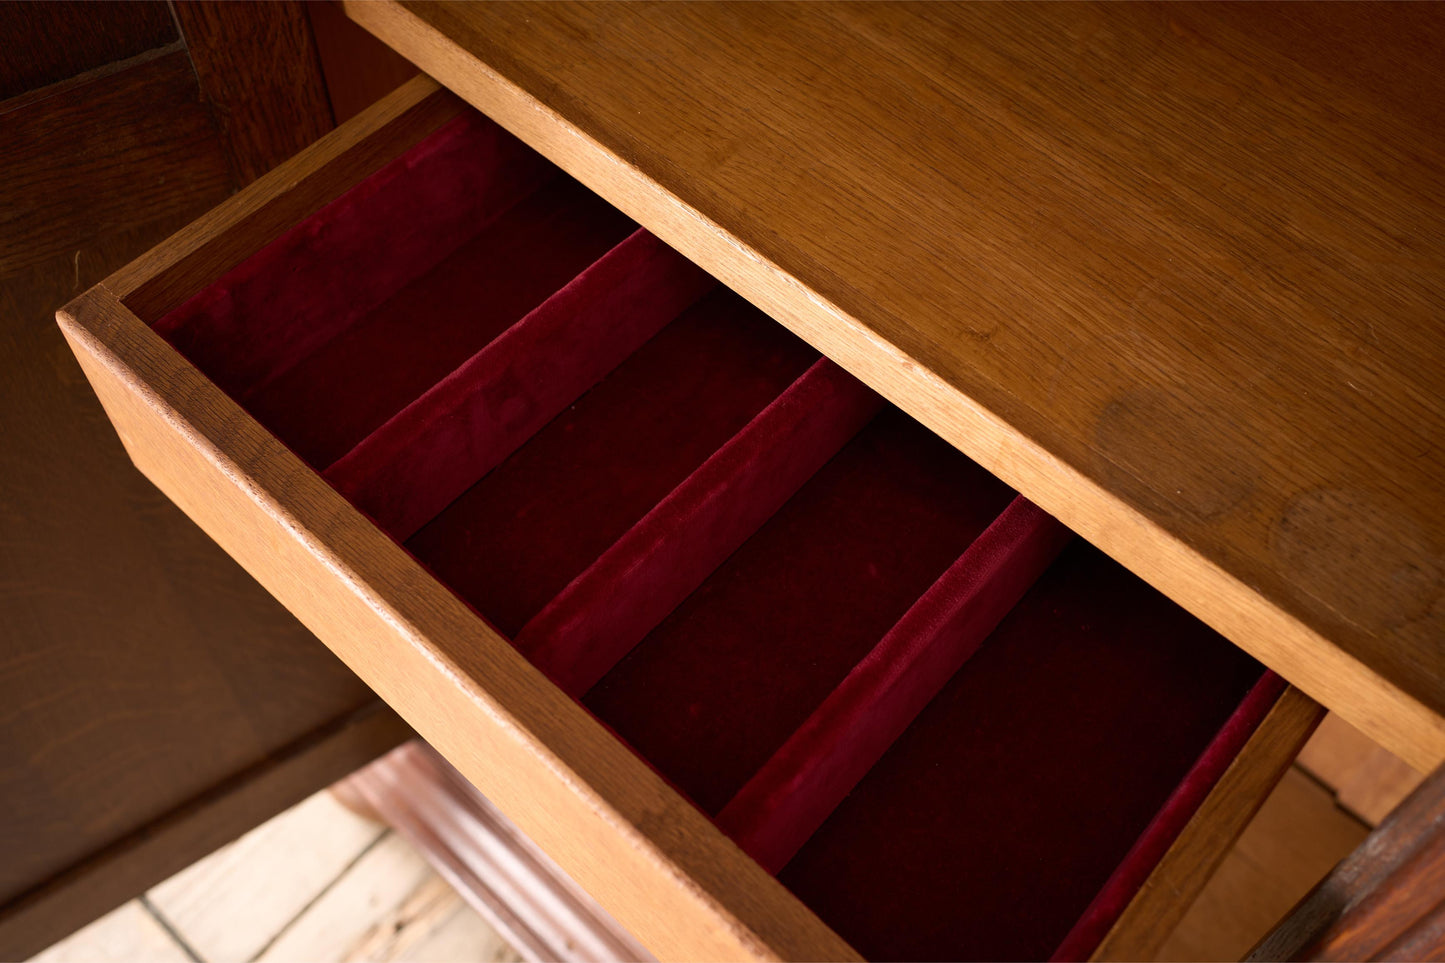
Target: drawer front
765,665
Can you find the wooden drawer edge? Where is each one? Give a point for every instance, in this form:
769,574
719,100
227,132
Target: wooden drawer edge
655,862
1191,860
1264,627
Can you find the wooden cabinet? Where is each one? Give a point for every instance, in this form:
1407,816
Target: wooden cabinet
754,619
156,702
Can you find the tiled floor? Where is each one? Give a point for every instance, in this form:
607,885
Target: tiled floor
317,883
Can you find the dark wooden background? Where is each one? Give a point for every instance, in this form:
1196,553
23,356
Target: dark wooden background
154,701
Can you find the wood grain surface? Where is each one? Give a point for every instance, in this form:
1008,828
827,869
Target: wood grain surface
1295,839
105,157
260,73
49,42
1367,781
1178,280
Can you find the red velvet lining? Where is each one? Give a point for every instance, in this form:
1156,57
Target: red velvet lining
329,401
610,607
790,797
517,537
314,281
710,694
407,471
591,444
988,828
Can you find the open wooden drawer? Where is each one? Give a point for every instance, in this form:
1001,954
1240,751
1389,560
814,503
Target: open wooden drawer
658,578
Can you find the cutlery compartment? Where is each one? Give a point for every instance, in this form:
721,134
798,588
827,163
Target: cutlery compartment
950,728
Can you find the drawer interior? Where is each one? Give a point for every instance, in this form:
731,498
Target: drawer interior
952,729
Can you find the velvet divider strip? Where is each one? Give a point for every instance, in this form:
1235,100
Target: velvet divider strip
288,299
605,611
414,465
785,802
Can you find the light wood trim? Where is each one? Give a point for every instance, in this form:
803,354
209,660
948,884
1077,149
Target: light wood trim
1282,627
1192,859
653,861
163,277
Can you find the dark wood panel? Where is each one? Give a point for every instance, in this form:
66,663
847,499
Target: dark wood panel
130,149
142,672
260,73
48,41
171,843
140,664
359,69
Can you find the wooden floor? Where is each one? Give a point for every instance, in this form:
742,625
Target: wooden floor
320,883
317,883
